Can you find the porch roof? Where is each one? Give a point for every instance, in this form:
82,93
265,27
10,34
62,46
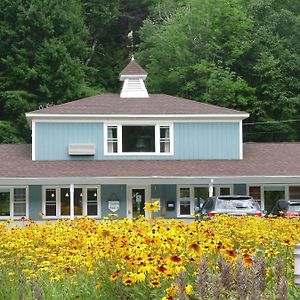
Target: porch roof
260,159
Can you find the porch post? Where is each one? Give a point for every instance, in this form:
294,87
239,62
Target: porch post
211,188
72,201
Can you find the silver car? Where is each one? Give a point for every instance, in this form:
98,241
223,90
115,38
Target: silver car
236,205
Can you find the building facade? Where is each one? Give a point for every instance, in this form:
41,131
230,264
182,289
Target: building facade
111,153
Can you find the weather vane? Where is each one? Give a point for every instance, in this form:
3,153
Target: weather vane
132,46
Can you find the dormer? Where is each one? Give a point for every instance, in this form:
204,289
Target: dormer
133,76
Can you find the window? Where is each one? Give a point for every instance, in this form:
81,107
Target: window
92,203
138,139
190,197
294,192
65,202
185,201
4,202
19,202
200,196
50,202
13,202
112,139
164,139
57,201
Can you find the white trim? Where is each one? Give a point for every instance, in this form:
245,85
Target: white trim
156,125
83,187
72,201
241,139
33,138
11,201
98,117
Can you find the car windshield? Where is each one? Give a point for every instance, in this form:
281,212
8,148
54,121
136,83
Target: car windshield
294,207
234,204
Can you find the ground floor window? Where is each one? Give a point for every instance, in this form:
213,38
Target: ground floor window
13,202
191,198
57,201
267,195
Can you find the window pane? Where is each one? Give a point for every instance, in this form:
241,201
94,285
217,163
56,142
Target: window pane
164,139
92,204
165,146
78,201
5,202
200,194
185,201
294,192
65,202
50,202
19,202
138,138
224,191
164,132
254,191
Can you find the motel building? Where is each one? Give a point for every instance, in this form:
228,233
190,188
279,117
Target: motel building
112,153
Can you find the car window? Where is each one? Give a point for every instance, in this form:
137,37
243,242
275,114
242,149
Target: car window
295,207
208,204
236,204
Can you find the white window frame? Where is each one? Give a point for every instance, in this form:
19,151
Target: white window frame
192,198
218,187
11,203
157,126
58,201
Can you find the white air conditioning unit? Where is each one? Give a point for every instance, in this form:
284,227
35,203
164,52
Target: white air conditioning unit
82,149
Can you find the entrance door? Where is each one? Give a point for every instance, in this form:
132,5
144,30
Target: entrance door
138,202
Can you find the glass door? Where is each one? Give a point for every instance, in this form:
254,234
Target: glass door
138,202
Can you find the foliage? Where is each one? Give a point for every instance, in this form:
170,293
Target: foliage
148,259
239,54
235,53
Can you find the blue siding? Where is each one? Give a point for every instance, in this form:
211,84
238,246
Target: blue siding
35,201
203,140
53,139
113,192
166,193
206,140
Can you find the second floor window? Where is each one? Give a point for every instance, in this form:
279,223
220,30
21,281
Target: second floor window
112,139
137,139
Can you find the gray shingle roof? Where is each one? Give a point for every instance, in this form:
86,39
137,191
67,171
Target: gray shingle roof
133,68
260,159
158,104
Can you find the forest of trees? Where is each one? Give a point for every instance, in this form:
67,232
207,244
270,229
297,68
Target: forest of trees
242,54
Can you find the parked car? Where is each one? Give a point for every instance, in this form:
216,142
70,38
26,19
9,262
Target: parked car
286,208
236,205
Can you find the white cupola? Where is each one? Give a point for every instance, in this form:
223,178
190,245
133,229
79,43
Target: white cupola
133,76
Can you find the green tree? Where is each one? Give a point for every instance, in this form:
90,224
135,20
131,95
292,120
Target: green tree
237,53
43,46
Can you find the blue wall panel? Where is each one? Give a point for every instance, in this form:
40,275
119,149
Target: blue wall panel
166,193
113,192
206,140
53,139
35,202
203,140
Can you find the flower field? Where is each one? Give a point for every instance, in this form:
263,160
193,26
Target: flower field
223,258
